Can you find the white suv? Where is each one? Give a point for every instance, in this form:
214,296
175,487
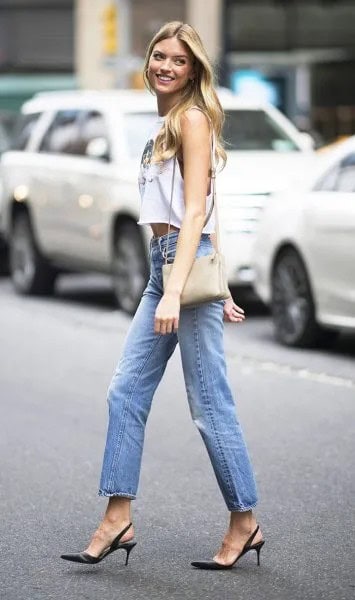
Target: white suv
70,195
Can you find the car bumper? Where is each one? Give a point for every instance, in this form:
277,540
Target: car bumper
239,221
260,262
237,249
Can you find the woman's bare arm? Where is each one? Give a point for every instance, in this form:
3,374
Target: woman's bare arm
196,157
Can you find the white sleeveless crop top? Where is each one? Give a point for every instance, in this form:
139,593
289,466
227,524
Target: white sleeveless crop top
155,189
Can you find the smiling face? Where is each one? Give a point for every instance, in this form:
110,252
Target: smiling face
170,66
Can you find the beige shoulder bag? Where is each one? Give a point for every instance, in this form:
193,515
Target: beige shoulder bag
207,280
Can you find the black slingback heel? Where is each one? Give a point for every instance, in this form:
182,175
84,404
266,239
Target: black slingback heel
212,564
88,559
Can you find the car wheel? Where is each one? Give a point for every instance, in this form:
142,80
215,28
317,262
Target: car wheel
292,307
30,272
129,266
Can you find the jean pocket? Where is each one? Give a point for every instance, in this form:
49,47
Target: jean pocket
205,248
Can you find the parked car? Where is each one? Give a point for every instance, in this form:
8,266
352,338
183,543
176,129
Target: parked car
71,201
304,255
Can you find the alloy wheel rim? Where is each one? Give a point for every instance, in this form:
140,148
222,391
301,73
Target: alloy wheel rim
291,308
129,273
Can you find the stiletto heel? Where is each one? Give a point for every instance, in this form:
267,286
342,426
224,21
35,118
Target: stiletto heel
258,548
86,558
128,546
213,565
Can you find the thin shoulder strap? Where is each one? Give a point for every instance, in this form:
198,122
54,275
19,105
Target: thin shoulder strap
214,204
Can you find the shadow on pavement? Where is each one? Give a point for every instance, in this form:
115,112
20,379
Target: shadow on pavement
247,299
88,290
96,290
92,290
344,345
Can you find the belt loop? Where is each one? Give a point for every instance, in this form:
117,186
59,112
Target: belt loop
160,248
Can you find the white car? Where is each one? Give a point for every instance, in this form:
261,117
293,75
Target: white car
70,193
304,255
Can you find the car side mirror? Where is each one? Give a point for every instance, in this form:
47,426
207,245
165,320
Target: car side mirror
98,148
307,142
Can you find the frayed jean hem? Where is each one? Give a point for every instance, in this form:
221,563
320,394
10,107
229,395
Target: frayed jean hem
242,508
118,494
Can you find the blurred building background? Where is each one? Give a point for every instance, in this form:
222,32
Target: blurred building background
298,54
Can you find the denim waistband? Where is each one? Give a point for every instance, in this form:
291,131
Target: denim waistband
158,240
161,242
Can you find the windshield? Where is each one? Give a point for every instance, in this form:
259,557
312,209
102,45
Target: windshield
243,130
255,130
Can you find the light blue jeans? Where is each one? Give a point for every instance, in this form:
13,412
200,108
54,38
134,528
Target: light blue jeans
139,371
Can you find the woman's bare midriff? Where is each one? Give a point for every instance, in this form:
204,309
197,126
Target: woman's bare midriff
161,228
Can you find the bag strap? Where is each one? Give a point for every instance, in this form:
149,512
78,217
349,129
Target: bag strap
213,193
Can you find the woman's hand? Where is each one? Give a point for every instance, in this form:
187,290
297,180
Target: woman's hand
232,313
167,314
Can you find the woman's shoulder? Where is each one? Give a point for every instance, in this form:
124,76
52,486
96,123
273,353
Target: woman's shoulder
194,118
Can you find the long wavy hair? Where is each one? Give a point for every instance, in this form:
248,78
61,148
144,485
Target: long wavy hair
200,92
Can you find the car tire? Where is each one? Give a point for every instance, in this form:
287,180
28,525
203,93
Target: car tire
4,261
30,272
129,266
292,307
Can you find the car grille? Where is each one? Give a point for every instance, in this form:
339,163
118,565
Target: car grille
240,213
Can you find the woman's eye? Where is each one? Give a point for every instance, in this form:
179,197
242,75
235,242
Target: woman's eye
157,56
180,61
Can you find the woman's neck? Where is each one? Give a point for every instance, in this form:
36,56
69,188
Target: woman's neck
166,102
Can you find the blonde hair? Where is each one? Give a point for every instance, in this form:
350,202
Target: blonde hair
200,92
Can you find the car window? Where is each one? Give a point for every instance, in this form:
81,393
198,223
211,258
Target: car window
63,133
255,130
8,123
4,138
243,130
328,181
346,180
339,178
92,126
137,127
23,130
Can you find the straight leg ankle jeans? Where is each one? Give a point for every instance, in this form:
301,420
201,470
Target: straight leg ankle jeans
139,371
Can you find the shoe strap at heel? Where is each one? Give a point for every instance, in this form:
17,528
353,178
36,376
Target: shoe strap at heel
120,535
249,541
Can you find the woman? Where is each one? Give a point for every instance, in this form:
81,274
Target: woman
178,72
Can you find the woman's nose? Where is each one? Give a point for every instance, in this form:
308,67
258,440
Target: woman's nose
166,65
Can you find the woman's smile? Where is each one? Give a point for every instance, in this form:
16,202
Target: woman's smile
164,78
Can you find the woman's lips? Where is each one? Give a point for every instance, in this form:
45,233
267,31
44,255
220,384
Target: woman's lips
165,78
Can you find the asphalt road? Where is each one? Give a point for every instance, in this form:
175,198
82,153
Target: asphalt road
297,409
